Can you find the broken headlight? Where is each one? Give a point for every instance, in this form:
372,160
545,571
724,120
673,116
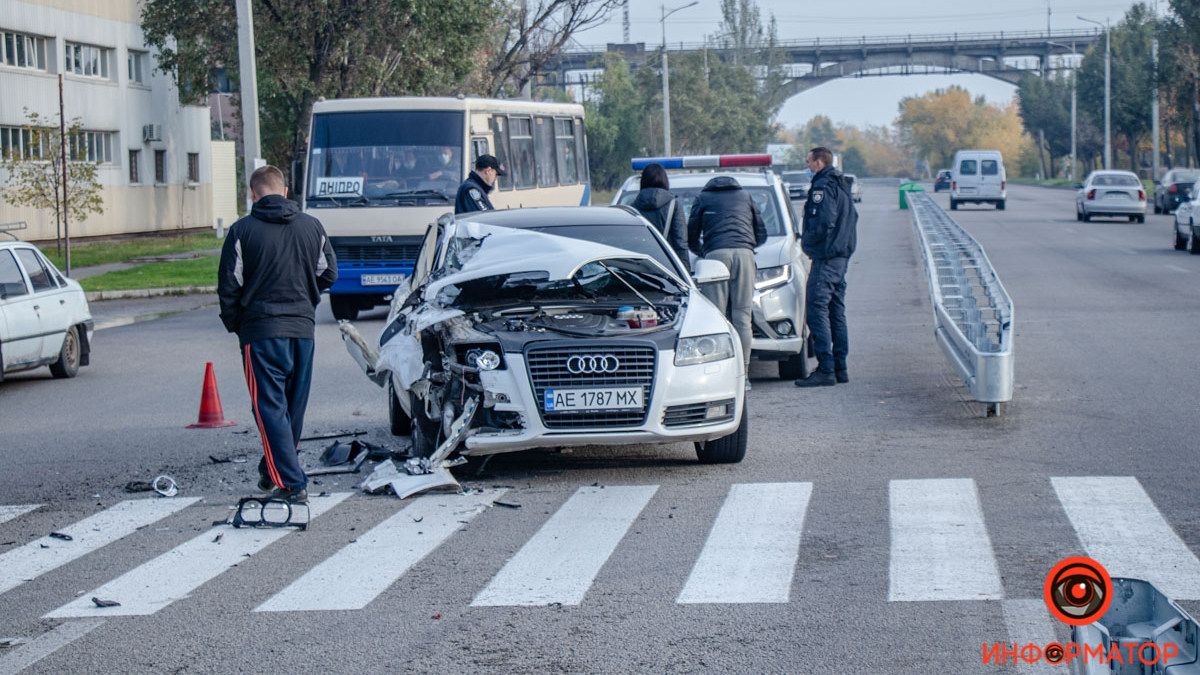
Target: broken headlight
690,351
483,357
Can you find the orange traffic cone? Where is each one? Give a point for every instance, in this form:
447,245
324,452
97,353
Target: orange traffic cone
211,415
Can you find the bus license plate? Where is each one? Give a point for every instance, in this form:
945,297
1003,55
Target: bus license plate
620,398
382,279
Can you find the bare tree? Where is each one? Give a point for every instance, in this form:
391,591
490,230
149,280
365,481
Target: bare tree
532,33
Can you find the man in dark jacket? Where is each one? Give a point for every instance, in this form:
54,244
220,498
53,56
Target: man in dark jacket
473,193
662,209
274,264
830,235
725,225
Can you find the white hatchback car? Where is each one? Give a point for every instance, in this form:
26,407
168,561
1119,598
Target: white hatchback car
1187,216
1111,193
44,317
778,322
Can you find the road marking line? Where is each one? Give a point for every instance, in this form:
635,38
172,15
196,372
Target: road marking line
750,554
940,545
98,530
177,573
359,572
1028,622
46,644
1120,527
560,562
7,513
1177,268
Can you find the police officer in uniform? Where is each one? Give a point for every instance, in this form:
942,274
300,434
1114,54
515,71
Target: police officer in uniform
830,235
473,193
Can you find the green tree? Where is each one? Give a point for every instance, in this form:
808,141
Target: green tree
615,115
1045,107
35,177
1132,81
854,162
310,50
1179,76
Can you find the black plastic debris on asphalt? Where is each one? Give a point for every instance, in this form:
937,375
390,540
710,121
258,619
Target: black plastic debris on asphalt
105,603
325,437
60,535
507,505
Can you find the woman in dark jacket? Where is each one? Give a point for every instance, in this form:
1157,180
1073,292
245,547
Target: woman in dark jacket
663,210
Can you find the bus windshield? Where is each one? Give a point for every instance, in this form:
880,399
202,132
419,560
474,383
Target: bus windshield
385,158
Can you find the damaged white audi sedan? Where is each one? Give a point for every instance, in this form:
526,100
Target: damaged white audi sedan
557,327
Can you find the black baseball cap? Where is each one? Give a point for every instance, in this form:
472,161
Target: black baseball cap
490,162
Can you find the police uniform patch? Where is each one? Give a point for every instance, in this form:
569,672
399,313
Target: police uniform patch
476,194
817,196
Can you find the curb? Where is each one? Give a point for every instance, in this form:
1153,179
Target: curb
130,320
94,296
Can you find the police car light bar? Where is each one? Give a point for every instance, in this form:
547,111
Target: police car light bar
702,161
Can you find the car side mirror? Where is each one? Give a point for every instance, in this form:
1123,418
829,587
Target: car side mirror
1079,186
709,271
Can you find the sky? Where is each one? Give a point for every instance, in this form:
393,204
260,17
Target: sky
868,100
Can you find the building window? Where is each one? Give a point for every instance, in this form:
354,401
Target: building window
137,66
134,168
24,143
23,51
160,166
193,167
91,146
87,60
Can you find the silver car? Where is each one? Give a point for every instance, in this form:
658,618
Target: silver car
1111,193
778,322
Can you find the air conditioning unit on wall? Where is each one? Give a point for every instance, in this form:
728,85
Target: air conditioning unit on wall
151,132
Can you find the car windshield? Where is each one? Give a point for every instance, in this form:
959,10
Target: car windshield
387,157
634,238
1115,180
1184,176
764,199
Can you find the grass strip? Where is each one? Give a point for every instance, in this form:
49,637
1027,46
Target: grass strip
173,274
104,252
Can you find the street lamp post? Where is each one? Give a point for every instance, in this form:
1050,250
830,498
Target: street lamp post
1107,89
1073,118
666,77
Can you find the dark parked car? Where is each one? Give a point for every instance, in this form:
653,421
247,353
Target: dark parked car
942,182
798,183
1173,189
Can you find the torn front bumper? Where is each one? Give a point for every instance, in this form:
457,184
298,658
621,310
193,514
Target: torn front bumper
771,307
675,388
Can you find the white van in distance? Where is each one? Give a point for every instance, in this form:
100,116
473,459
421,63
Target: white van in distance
978,176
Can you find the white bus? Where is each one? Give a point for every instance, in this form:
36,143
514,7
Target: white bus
380,169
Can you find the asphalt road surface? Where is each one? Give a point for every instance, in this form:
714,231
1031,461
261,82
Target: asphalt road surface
884,526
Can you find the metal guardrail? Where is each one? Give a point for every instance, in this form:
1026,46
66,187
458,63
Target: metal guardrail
972,313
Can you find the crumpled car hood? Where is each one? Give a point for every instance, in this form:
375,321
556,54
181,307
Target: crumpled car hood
477,251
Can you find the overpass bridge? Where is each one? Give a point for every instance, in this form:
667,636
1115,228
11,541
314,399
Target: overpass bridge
808,63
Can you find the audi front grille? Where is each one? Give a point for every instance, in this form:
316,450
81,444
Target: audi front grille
548,370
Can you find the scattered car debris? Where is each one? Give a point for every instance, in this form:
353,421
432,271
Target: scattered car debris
341,458
269,512
507,505
165,486
138,486
418,519
342,434
12,641
60,535
105,603
217,539
436,616
43,545
219,460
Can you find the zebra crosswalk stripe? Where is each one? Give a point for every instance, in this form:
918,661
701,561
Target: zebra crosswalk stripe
1120,528
750,554
359,572
176,573
560,562
7,513
1028,622
98,530
940,546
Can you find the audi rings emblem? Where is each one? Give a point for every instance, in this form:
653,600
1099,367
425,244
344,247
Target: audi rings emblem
593,364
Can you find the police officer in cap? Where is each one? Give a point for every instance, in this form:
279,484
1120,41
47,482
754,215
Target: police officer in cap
473,193
830,236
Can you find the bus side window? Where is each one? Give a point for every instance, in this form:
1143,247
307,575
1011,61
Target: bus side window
564,146
543,144
500,129
479,146
520,139
581,156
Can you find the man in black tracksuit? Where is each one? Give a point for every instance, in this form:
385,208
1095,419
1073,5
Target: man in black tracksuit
725,225
274,264
473,193
830,236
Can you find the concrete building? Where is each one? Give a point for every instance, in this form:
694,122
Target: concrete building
155,155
